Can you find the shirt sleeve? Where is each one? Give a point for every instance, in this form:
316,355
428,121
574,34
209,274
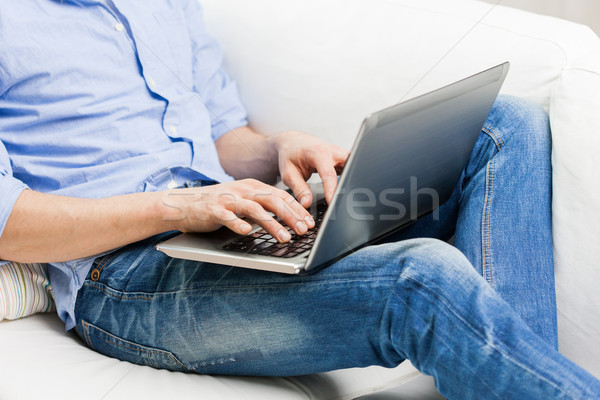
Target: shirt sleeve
218,92
10,188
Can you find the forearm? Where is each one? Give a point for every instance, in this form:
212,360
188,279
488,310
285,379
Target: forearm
244,153
49,228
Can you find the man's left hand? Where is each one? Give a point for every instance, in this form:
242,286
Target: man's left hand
299,155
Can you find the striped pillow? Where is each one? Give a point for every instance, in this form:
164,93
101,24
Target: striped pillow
24,290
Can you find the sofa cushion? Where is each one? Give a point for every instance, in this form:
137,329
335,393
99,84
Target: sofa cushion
24,290
64,368
321,67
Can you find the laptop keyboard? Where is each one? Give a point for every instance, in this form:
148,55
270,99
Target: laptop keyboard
264,244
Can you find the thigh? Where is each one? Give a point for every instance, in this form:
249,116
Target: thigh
147,308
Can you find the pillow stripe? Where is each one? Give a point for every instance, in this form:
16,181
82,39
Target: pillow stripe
24,290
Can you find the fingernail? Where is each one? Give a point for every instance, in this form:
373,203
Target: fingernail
245,228
284,235
309,221
301,227
305,201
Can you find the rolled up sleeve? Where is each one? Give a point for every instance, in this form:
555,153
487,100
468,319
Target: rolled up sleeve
218,92
10,188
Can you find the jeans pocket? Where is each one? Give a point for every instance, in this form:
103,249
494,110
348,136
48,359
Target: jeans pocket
113,346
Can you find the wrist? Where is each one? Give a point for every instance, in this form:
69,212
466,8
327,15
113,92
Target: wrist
167,210
275,143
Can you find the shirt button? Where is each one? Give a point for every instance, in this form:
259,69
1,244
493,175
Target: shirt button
119,27
173,130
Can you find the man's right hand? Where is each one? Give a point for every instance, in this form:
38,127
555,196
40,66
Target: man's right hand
233,205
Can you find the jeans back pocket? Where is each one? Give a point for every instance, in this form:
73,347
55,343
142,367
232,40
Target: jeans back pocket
113,346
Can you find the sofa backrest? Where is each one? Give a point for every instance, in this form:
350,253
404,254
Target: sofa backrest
322,66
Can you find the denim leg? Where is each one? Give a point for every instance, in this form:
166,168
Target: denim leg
504,228
500,212
452,325
418,299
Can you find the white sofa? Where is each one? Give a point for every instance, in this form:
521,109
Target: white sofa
320,66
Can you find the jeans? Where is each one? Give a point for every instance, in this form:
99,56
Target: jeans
479,316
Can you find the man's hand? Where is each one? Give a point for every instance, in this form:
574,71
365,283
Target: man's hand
293,155
300,155
233,205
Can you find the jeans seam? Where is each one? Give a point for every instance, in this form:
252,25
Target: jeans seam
86,333
105,261
486,258
123,295
140,296
495,136
159,352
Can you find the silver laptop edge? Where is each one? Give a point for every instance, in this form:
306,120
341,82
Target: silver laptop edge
419,144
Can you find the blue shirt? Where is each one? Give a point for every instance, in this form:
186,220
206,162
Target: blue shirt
106,98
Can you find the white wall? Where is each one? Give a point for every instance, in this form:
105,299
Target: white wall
582,11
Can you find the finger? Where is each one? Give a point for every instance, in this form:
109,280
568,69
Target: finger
281,203
301,211
341,159
292,178
233,222
285,207
259,215
328,174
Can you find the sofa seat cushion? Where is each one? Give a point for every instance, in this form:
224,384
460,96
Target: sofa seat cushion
37,349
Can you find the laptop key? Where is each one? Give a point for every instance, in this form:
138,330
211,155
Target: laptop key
242,248
260,247
280,252
266,252
263,243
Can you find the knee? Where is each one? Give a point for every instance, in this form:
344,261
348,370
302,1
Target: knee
434,264
519,110
513,119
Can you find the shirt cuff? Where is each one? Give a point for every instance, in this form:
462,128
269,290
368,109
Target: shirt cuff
222,128
10,189
231,112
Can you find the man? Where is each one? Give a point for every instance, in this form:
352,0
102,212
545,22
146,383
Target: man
118,127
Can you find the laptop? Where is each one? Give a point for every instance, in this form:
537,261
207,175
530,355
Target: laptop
403,165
